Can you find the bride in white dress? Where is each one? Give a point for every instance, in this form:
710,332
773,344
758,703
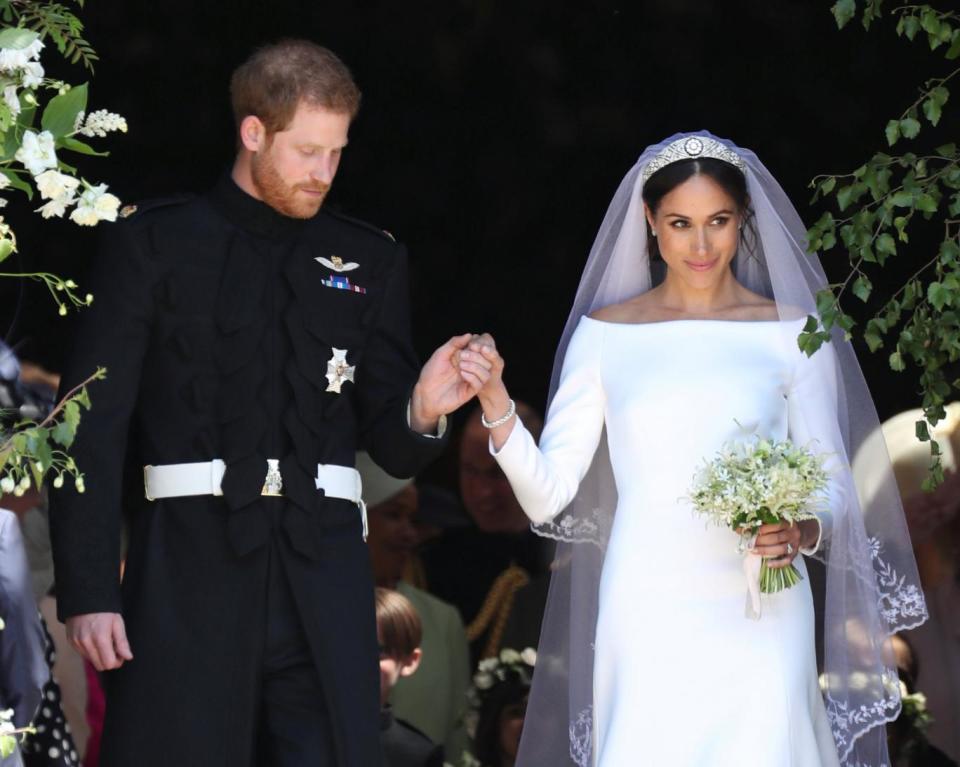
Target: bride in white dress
647,657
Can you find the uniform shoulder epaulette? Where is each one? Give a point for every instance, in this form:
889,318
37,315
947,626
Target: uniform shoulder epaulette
138,209
340,216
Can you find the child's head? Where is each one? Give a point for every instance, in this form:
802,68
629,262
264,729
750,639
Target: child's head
399,633
498,700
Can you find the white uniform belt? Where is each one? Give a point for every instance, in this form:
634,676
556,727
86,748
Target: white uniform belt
174,480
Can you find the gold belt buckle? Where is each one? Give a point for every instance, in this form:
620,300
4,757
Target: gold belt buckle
273,484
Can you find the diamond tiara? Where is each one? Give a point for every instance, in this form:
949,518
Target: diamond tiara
691,148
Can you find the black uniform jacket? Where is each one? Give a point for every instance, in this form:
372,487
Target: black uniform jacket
405,746
216,321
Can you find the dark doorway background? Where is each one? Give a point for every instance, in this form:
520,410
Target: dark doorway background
491,137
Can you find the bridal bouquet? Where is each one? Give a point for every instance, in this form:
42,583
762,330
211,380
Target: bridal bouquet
761,482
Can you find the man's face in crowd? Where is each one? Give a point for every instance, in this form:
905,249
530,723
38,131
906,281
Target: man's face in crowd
294,168
484,489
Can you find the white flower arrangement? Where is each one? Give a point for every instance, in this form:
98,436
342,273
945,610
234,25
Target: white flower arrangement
914,709
749,484
41,122
491,671
99,123
33,160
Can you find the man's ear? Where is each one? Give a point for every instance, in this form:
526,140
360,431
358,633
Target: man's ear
253,133
411,663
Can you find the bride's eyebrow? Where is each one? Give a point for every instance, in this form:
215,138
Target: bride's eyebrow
723,212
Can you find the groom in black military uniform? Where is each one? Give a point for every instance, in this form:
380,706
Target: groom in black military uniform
254,341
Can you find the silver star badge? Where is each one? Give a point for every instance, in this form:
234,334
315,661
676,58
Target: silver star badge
336,264
338,370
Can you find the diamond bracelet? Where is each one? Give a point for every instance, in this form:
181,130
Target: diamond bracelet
500,421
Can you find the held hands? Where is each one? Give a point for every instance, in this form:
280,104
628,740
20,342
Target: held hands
462,368
446,382
101,638
780,543
493,396
483,350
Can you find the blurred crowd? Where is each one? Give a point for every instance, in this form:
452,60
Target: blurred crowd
461,585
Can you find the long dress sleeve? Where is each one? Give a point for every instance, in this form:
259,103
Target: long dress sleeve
546,479
813,422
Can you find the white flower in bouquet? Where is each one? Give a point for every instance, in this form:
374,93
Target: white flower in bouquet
4,181
12,99
509,656
750,484
100,123
56,208
95,205
60,189
483,680
53,184
32,75
37,152
13,59
529,656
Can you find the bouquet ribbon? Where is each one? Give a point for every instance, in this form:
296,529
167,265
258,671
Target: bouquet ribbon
751,569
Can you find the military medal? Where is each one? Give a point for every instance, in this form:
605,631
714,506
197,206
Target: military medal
336,264
342,283
338,370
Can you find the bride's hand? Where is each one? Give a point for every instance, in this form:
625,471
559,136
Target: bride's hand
780,543
493,397
482,352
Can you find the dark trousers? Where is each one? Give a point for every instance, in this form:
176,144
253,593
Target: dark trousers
294,723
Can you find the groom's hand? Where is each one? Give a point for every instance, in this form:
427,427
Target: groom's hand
101,638
446,382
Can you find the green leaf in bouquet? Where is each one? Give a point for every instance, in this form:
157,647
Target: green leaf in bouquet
17,38
66,429
80,147
8,744
18,183
60,116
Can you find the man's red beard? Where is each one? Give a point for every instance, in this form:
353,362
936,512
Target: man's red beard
281,196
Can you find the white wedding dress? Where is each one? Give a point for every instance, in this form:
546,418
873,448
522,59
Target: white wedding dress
681,677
